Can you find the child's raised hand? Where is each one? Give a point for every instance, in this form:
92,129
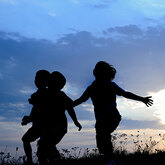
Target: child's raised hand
148,101
78,125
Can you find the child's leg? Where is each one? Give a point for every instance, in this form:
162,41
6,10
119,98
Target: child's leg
31,135
104,144
103,140
47,145
42,152
113,125
47,152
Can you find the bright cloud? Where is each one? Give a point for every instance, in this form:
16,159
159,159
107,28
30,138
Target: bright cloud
27,90
70,89
88,107
159,104
135,110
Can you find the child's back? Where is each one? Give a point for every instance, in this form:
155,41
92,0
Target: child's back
58,103
103,96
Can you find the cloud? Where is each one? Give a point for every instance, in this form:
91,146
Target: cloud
52,14
88,107
85,124
27,90
137,54
70,90
17,105
101,4
139,124
159,104
127,30
11,131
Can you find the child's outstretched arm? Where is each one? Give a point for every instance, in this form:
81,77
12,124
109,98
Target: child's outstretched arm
77,101
74,118
146,100
83,98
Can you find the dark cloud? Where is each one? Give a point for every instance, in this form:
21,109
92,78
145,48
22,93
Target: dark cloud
139,60
138,124
127,30
103,4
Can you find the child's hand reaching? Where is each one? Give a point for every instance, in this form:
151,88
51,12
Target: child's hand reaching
78,125
148,101
25,120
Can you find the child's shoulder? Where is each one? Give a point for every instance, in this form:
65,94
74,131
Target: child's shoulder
38,95
65,98
117,89
114,84
93,84
63,94
33,95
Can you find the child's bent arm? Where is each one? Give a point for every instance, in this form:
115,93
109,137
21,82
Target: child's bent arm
34,113
146,100
74,118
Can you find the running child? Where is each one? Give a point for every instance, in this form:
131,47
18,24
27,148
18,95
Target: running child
103,92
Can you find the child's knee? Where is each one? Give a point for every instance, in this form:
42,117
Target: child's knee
25,139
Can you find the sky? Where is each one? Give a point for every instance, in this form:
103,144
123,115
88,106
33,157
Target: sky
71,36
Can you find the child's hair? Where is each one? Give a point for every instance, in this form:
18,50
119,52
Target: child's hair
58,79
104,70
43,76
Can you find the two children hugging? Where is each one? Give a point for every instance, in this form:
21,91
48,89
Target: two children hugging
103,92
49,122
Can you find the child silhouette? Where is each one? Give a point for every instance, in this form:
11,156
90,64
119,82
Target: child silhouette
103,95
37,99
55,119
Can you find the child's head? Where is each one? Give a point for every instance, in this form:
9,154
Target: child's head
104,71
57,81
41,79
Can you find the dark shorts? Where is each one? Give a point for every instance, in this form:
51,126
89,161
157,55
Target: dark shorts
108,125
103,134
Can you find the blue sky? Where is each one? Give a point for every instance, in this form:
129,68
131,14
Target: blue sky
72,36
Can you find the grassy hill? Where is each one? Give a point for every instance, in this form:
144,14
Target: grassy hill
145,153
122,158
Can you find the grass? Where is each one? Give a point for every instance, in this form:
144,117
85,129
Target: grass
145,152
